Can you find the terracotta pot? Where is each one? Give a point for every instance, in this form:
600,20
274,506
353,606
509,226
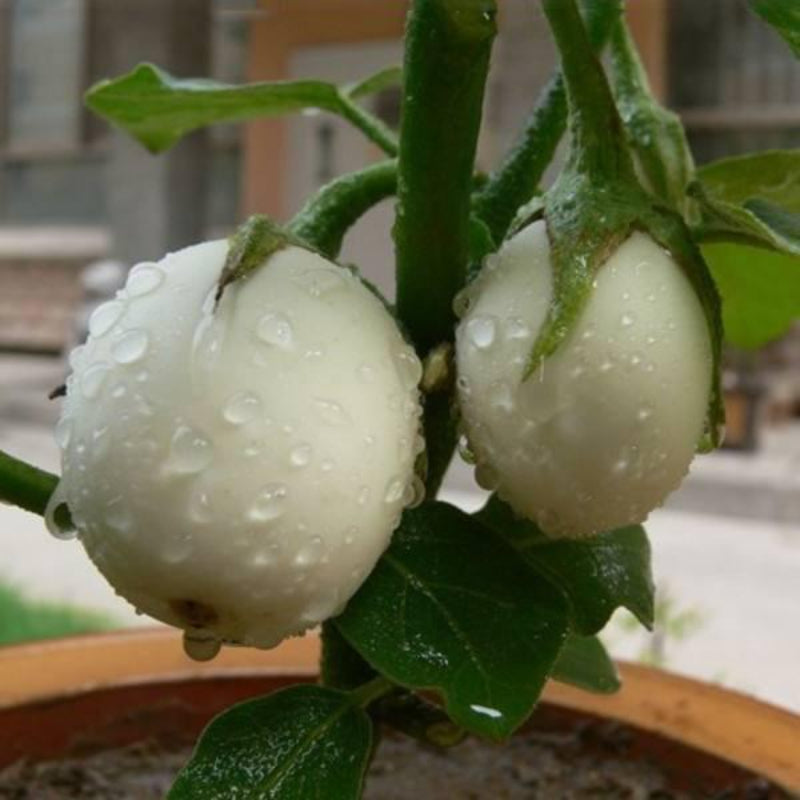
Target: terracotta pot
85,694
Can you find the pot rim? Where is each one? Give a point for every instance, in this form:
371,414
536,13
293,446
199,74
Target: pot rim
733,726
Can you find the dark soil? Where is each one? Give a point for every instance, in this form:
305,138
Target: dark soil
595,761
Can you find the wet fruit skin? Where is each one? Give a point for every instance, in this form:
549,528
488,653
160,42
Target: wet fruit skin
238,472
607,426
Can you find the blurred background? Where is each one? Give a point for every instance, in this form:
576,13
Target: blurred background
79,204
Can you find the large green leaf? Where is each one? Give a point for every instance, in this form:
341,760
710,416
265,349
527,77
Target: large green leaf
450,607
752,199
784,16
773,175
760,292
596,575
300,743
585,663
158,109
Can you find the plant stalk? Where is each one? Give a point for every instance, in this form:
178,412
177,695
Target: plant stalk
24,485
448,43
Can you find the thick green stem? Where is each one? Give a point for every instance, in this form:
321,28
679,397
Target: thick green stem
598,146
326,217
370,692
448,43
516,180
372,127
630,78
24,485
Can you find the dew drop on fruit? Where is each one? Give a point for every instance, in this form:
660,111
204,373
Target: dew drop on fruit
331,412
190,452
57,516
120,390
242,407
176,549
269,503
131,346
481,332
626,320
394,490
200,649
465,451
144,279
517,329
92,380
105,317
365,373
300,455
63,432
409,367
501,397
118,516
486,477
363,495
310,553
200,509
276,330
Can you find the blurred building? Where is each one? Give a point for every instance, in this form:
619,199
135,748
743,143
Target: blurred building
71,191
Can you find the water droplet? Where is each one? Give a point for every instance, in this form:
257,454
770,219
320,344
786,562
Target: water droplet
300,455
501,397
269,504
275,329
366,373
626,320
650,367
606,366
75,355
130,347
92,380
319,282
144,279
105,317
118,516
176,548
310,553
363,495
327,465
200,649
409,367
241,408
394,490
120,390
190,452
331,412
57,516
517,329
486,477
620,466
200,509
577,371
635,360
63,432
587,334
481,332
465,451
651,298
644,413
351,534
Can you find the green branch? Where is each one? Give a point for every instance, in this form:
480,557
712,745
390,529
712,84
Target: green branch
326,217
448,43
517,178
24,485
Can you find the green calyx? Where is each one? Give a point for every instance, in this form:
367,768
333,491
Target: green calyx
250,247
598,202
656,137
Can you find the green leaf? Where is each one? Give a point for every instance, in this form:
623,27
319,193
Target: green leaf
299,743
753,199
784,16
450,607
585,663
596,575
159,109
773,175
386,78
760,292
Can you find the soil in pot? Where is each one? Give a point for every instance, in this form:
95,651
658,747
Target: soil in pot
572,758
